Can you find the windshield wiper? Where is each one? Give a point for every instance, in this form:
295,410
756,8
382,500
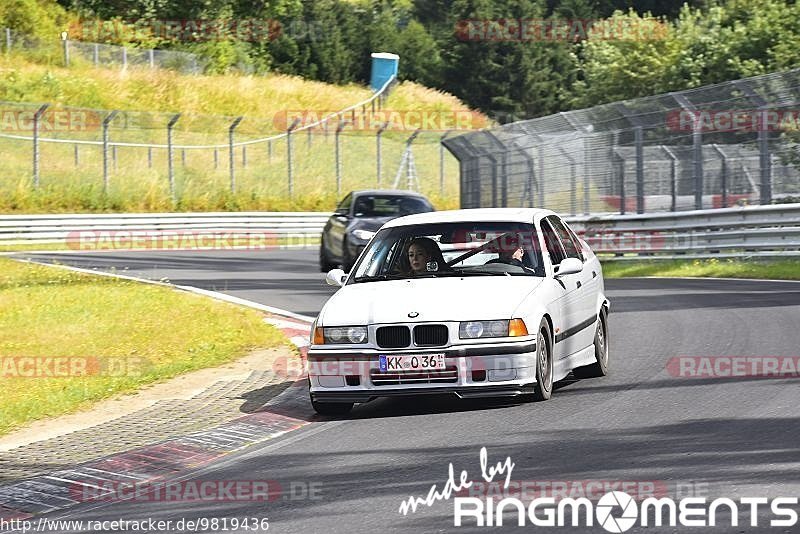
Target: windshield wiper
387,276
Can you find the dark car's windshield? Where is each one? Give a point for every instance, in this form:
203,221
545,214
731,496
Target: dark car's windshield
389,206
451,249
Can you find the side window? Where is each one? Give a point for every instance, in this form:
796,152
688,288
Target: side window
552,243
570,247
344,205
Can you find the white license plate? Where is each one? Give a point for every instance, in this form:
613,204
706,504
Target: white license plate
417,362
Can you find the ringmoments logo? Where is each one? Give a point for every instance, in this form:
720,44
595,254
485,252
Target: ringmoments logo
615,511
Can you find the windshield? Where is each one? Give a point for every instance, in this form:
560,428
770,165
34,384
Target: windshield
389,206
451,249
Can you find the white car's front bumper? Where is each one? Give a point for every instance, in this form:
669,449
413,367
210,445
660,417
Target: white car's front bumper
479,370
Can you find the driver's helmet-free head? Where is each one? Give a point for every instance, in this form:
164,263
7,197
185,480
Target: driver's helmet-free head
435,259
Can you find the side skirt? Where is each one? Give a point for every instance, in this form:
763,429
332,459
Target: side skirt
563,367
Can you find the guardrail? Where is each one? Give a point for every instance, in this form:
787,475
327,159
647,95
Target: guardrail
49,229
752,231
757,231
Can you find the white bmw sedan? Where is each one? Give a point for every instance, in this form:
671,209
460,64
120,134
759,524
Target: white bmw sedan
477,303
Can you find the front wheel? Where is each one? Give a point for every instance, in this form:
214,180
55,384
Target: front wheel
331,408
325,264
347,261
600,367
543,389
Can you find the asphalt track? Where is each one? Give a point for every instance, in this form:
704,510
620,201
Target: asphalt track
721,437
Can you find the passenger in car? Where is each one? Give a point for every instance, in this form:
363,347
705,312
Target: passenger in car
510,252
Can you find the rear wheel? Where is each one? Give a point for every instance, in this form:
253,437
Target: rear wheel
331,408
325,264
543,389
600,367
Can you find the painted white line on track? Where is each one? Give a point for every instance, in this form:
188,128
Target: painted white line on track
191,289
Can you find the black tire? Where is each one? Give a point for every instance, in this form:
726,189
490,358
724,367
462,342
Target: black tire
331,408
600,367
325,264
543,389
347,261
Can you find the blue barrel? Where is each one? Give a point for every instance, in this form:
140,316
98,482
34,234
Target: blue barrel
384,66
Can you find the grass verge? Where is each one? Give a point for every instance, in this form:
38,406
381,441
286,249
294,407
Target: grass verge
711,268
105,336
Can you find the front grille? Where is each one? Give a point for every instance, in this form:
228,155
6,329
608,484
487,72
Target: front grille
393,337
447,375
430,335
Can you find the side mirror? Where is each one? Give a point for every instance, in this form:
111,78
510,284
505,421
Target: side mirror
342,214
336,277
569,266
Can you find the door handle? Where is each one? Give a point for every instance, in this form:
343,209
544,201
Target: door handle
579,284
594,274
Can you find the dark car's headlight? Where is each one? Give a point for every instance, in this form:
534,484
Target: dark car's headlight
340,334
364,235
482,329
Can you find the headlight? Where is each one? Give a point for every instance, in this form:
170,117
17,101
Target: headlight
364,235
477,329
345,334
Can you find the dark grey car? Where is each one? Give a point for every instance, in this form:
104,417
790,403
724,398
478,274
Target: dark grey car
356,219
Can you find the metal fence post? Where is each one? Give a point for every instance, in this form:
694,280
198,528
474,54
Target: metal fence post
540,181
639,140
673,177
441,162
244,155
77,157
378,158
96,54
622,198
170,165
106,123
65,41
291,127
764,159
124,58
36,117
8,40
149,157
216,158
339,128
231,158
151,58
723,174
269,151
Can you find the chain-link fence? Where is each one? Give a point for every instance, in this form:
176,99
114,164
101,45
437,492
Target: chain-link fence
68,52
66,159
715,146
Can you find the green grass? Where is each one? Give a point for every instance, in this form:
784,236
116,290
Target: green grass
711,268
202,180
150,332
